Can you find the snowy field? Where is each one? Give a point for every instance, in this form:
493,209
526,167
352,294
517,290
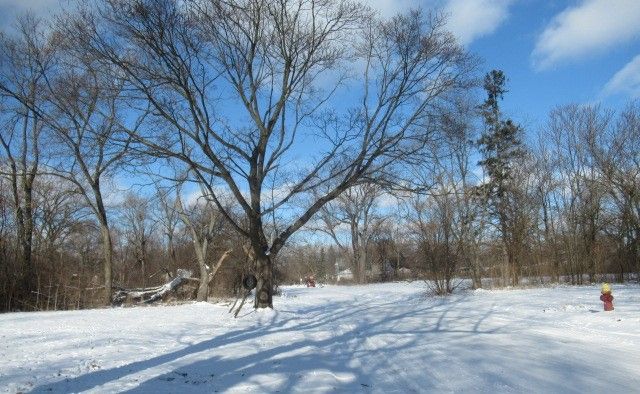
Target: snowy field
386,338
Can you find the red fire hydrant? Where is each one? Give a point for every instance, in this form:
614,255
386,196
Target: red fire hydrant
606,297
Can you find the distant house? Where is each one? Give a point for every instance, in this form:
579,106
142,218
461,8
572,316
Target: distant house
344,275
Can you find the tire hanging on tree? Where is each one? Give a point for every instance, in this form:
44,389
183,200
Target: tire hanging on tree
249,282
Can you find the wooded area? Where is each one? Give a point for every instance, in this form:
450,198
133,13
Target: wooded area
288,139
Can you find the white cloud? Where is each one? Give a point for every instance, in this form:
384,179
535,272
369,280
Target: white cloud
625,81
472,19
468,19
592,26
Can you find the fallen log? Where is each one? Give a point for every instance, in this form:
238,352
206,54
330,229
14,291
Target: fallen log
149,295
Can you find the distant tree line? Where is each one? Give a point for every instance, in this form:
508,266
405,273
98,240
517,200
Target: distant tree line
288,139
559,204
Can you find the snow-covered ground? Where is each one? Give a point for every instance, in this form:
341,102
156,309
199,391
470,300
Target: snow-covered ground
386,338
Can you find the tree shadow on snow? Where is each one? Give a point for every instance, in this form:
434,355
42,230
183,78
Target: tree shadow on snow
340,347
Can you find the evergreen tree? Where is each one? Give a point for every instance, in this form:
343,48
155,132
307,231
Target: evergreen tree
501,149
500,143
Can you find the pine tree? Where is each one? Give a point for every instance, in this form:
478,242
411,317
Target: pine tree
501,148
500,143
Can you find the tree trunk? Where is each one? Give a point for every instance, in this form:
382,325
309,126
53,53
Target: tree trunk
203,287
476,274
171,252
25,253
476,278
23,207
264,288
514,268
362,260
27,240
152,294
107,252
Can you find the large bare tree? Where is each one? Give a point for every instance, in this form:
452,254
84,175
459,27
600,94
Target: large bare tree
614,150
239,90
80,106
87,121
25,58
579,197
458,208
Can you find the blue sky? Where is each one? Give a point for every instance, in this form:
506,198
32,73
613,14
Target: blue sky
553,51
559,52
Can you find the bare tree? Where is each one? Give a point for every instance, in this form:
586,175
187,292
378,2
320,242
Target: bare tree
580,193
7,270
271,58
140,227
57,211
81,106
203,221
432,220
615,155
168,219
24,61
88,124
455,186
352,221
547,185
